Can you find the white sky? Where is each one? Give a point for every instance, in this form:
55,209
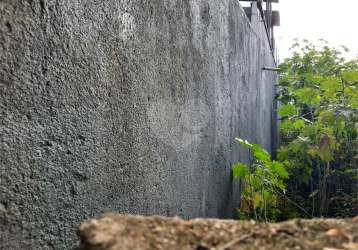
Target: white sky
333,20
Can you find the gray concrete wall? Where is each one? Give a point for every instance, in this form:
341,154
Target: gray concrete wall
126,106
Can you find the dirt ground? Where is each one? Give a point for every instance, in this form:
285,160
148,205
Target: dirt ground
128,232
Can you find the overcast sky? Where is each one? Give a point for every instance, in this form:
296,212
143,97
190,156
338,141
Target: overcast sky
334,21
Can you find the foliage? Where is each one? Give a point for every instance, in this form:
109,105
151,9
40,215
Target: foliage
262,180
318,92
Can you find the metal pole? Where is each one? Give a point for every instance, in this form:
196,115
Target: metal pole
271,69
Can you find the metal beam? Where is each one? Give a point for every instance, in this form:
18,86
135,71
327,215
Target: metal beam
275,16
271,69
248,12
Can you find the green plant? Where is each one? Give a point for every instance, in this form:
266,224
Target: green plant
263,181
318,90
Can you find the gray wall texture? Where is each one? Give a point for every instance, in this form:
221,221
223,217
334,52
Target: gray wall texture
125,106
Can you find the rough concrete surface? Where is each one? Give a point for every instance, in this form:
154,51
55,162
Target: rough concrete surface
121,232
126,106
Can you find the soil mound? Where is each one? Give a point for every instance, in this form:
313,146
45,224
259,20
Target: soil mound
122,232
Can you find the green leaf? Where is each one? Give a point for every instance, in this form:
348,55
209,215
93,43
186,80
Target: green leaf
331,87
266,194
281,186
244,143
325,148
327,117
298,124
257,199
351,94
308,96
260,153
350,76
280,169
240,170
287,126
287,110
